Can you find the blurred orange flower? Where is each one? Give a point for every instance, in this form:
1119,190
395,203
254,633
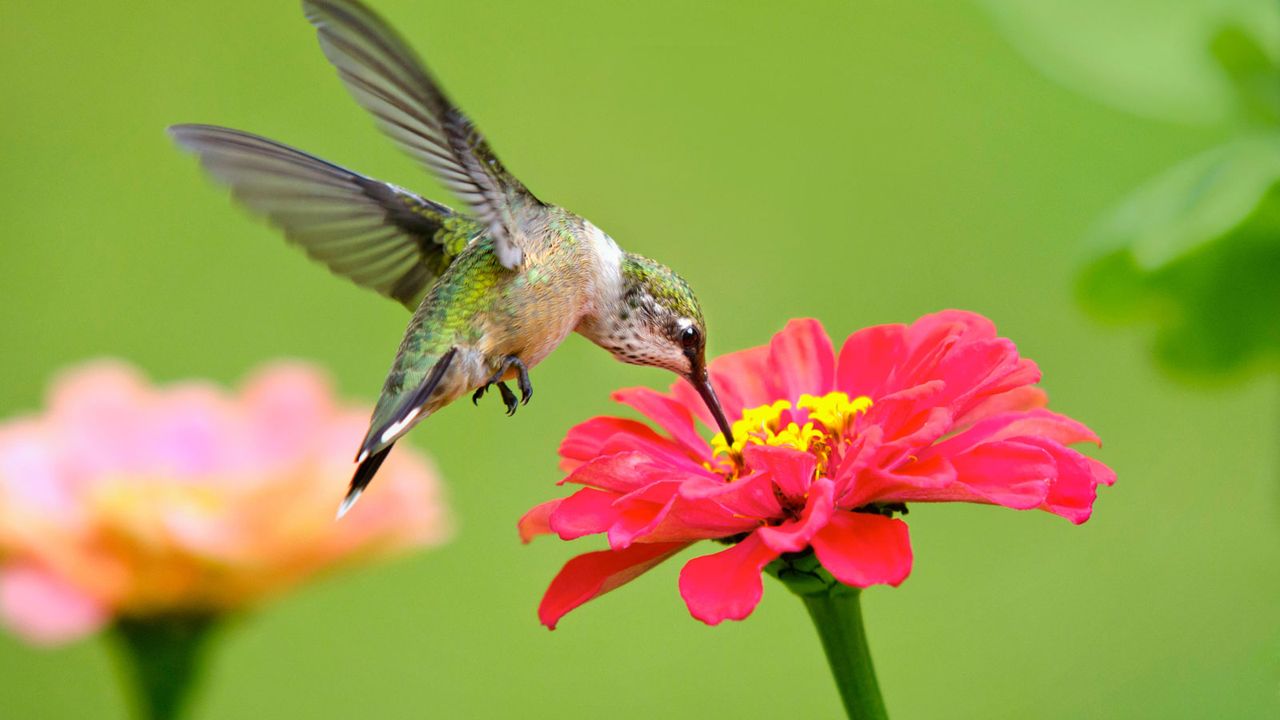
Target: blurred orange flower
124,500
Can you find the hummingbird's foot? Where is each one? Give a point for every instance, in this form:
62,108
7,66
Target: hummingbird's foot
508,397
526,387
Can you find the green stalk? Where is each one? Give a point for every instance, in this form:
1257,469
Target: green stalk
838,618
161,657
837,615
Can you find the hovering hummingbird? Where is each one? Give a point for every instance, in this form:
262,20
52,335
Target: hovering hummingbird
493,290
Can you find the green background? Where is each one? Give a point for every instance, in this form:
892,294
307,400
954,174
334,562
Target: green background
859,162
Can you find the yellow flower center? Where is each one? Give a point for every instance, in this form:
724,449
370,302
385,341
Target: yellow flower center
830,419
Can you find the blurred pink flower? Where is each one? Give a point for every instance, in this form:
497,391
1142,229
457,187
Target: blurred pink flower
128,500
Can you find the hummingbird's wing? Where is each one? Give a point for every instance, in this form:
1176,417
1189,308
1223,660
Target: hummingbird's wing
388,80
374,233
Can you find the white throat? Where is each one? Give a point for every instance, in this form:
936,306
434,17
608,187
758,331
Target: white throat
606,291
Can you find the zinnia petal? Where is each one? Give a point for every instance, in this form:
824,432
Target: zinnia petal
607,436
628,471
46,610
861,549
669,414
1005,472
726,585
751,496
740,379
538,520
1027,397
585,512
287,404
868,358
587,440
932,337
789,469
795,536
974,371
802,360
591,575
1076,486
640,512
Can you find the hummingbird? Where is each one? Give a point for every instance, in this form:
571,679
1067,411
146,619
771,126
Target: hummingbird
493,288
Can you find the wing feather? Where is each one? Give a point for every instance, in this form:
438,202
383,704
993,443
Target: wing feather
380,236
387,79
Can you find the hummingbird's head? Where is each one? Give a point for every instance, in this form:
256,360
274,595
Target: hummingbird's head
658,322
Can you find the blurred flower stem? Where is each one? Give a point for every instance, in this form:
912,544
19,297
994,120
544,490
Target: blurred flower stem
837,615
161,659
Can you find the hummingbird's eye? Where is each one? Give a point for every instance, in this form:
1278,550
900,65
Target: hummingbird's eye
691,339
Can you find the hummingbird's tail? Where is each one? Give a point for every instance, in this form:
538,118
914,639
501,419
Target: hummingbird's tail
363,476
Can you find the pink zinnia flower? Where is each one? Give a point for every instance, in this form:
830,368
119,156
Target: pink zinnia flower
827,449
128,501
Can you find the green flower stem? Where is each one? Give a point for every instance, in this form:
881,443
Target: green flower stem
837,615
161,658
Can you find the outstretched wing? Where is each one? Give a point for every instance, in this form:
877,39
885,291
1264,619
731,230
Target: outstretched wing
381,236
388,80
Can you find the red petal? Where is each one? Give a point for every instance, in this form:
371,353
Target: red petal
903,413
790,469
1005,472
1008,426
1076,487
795,536
536,521
954,322
932,337
661,513
921,432
726,585
665,451
1018,399
586,512
1045,424
861,549
975,370
628,471
699,519
801,360
669,414
868,358
586,440
640,512
594,574
750,496
911,481
741,380
1103,474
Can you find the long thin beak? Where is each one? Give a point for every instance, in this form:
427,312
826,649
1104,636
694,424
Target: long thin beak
702,383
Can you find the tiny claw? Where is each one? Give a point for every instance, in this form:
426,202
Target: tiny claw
479,393
526,387
508,398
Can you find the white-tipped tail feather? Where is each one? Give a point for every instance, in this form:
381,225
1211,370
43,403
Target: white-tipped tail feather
347,502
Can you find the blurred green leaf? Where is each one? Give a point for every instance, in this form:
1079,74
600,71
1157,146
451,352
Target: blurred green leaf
1255,75
1142,56
1196,202
1197,251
